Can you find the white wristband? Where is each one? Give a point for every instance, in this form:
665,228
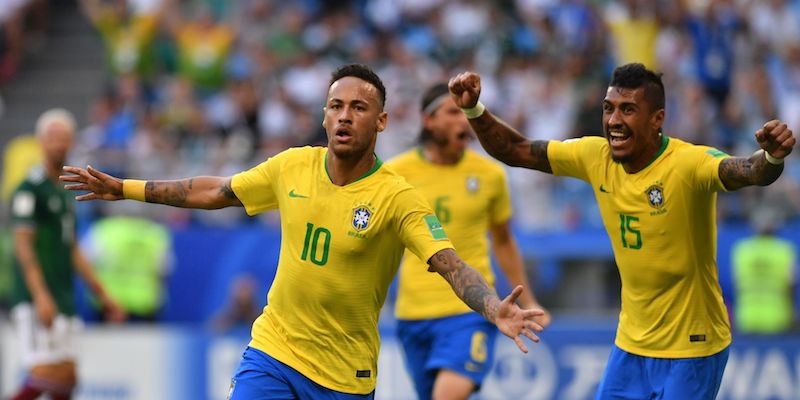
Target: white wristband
474,112
772,160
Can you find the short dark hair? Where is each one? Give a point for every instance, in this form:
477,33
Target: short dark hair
636,75
434,92
431,94
362,72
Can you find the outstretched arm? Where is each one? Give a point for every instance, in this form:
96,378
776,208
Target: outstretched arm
206,192
472,289
499,139
775,140
508,256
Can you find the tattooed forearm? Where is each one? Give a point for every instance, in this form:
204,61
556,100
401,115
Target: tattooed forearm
506,144
171,193
203,192
494,136
468,284
738,172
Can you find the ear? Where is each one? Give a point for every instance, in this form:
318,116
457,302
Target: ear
324,115
427,120
657,119
383,119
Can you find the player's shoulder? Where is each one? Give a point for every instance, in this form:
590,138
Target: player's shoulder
684,150
304,155
390,179
482,162
34,179
593,142
405,159
303,152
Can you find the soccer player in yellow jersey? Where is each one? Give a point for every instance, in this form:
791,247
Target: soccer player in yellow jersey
657,197
345,221
470,196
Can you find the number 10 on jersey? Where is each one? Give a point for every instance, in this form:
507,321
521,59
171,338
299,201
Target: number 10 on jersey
313,237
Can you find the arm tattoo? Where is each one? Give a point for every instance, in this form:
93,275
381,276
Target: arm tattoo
738,172
494,138
539,156
469,285
508,145
227,191
172,193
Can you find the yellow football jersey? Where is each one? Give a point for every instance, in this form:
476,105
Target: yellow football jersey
340,248
467,197
662,225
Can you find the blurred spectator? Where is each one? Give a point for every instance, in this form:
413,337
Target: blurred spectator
634,27
132,257
713,33
12,25
784,72
764,16
764,277
21,154
241,308
204,44
128,35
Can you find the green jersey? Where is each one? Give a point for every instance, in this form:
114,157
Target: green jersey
45,207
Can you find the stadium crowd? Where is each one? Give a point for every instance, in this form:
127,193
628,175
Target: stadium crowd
217,86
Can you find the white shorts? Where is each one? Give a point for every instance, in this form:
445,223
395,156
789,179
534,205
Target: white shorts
40,345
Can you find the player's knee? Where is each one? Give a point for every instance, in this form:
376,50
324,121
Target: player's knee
450,385
57,378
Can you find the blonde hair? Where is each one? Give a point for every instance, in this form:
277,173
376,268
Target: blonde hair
54,115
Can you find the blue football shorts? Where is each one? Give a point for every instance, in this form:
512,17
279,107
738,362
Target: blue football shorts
261,377
462,343
628,376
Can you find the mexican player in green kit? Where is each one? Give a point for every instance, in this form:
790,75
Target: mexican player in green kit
345,220
46,258
657,197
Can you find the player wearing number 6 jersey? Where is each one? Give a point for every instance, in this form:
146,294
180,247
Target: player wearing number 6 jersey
345,220
657,197
470,196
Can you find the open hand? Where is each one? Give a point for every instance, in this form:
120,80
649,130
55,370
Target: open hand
465,88
776,138
515,322
544,319
99,185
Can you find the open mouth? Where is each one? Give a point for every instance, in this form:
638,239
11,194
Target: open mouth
343,134
617,138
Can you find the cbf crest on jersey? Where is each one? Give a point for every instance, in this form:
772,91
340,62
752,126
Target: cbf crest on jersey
655,195
361,218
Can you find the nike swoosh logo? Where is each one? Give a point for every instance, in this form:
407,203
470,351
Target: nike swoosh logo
602,189
295,195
